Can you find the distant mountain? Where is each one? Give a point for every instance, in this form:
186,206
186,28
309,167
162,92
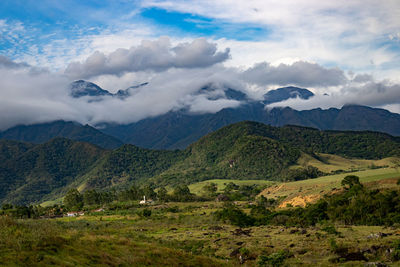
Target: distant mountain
41,133
178,129
245,150
82,88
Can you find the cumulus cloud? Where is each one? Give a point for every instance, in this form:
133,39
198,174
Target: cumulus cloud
156,56
300,73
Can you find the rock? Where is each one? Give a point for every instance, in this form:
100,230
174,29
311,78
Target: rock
345,255
216,228
240,231
377,235
235,252
375,264
302,251
241,260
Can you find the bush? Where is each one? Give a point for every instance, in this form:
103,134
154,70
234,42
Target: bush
275,259
330,229
146,213
234,215
396,250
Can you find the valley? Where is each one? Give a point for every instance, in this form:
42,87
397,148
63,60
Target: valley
200,133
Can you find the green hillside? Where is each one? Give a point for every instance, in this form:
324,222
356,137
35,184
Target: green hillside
242,151
130,163
43,169
251,150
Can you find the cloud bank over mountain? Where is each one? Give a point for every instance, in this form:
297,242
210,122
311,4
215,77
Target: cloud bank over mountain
177,75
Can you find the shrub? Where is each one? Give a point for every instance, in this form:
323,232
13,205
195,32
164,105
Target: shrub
396,250
275,259
330,229
234,215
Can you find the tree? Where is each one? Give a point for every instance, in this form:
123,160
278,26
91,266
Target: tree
162,194
210,189
148,191
91,197
230,187
73,200
182,193
351,181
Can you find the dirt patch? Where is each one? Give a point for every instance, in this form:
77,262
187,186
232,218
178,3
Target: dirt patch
273,189
300,201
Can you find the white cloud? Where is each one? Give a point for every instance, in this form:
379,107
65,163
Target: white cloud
156,56
348,34
299,73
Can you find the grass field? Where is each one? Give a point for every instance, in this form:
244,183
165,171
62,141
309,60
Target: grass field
51,202
301,192
328,163
197,188
188,236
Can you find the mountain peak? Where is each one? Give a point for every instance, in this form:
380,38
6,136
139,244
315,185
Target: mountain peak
285,93
83,88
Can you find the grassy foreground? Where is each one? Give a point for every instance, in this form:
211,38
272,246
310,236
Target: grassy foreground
184,234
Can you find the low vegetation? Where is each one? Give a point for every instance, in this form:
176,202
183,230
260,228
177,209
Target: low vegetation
355,226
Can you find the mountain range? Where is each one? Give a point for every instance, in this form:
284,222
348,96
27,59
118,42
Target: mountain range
33,173
179,128
43,132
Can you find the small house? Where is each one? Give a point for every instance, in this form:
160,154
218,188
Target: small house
146,201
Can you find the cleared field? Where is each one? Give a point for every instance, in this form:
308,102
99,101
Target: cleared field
301,192
328,163
51,202
197,188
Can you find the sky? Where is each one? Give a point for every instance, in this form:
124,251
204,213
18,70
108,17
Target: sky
346,52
